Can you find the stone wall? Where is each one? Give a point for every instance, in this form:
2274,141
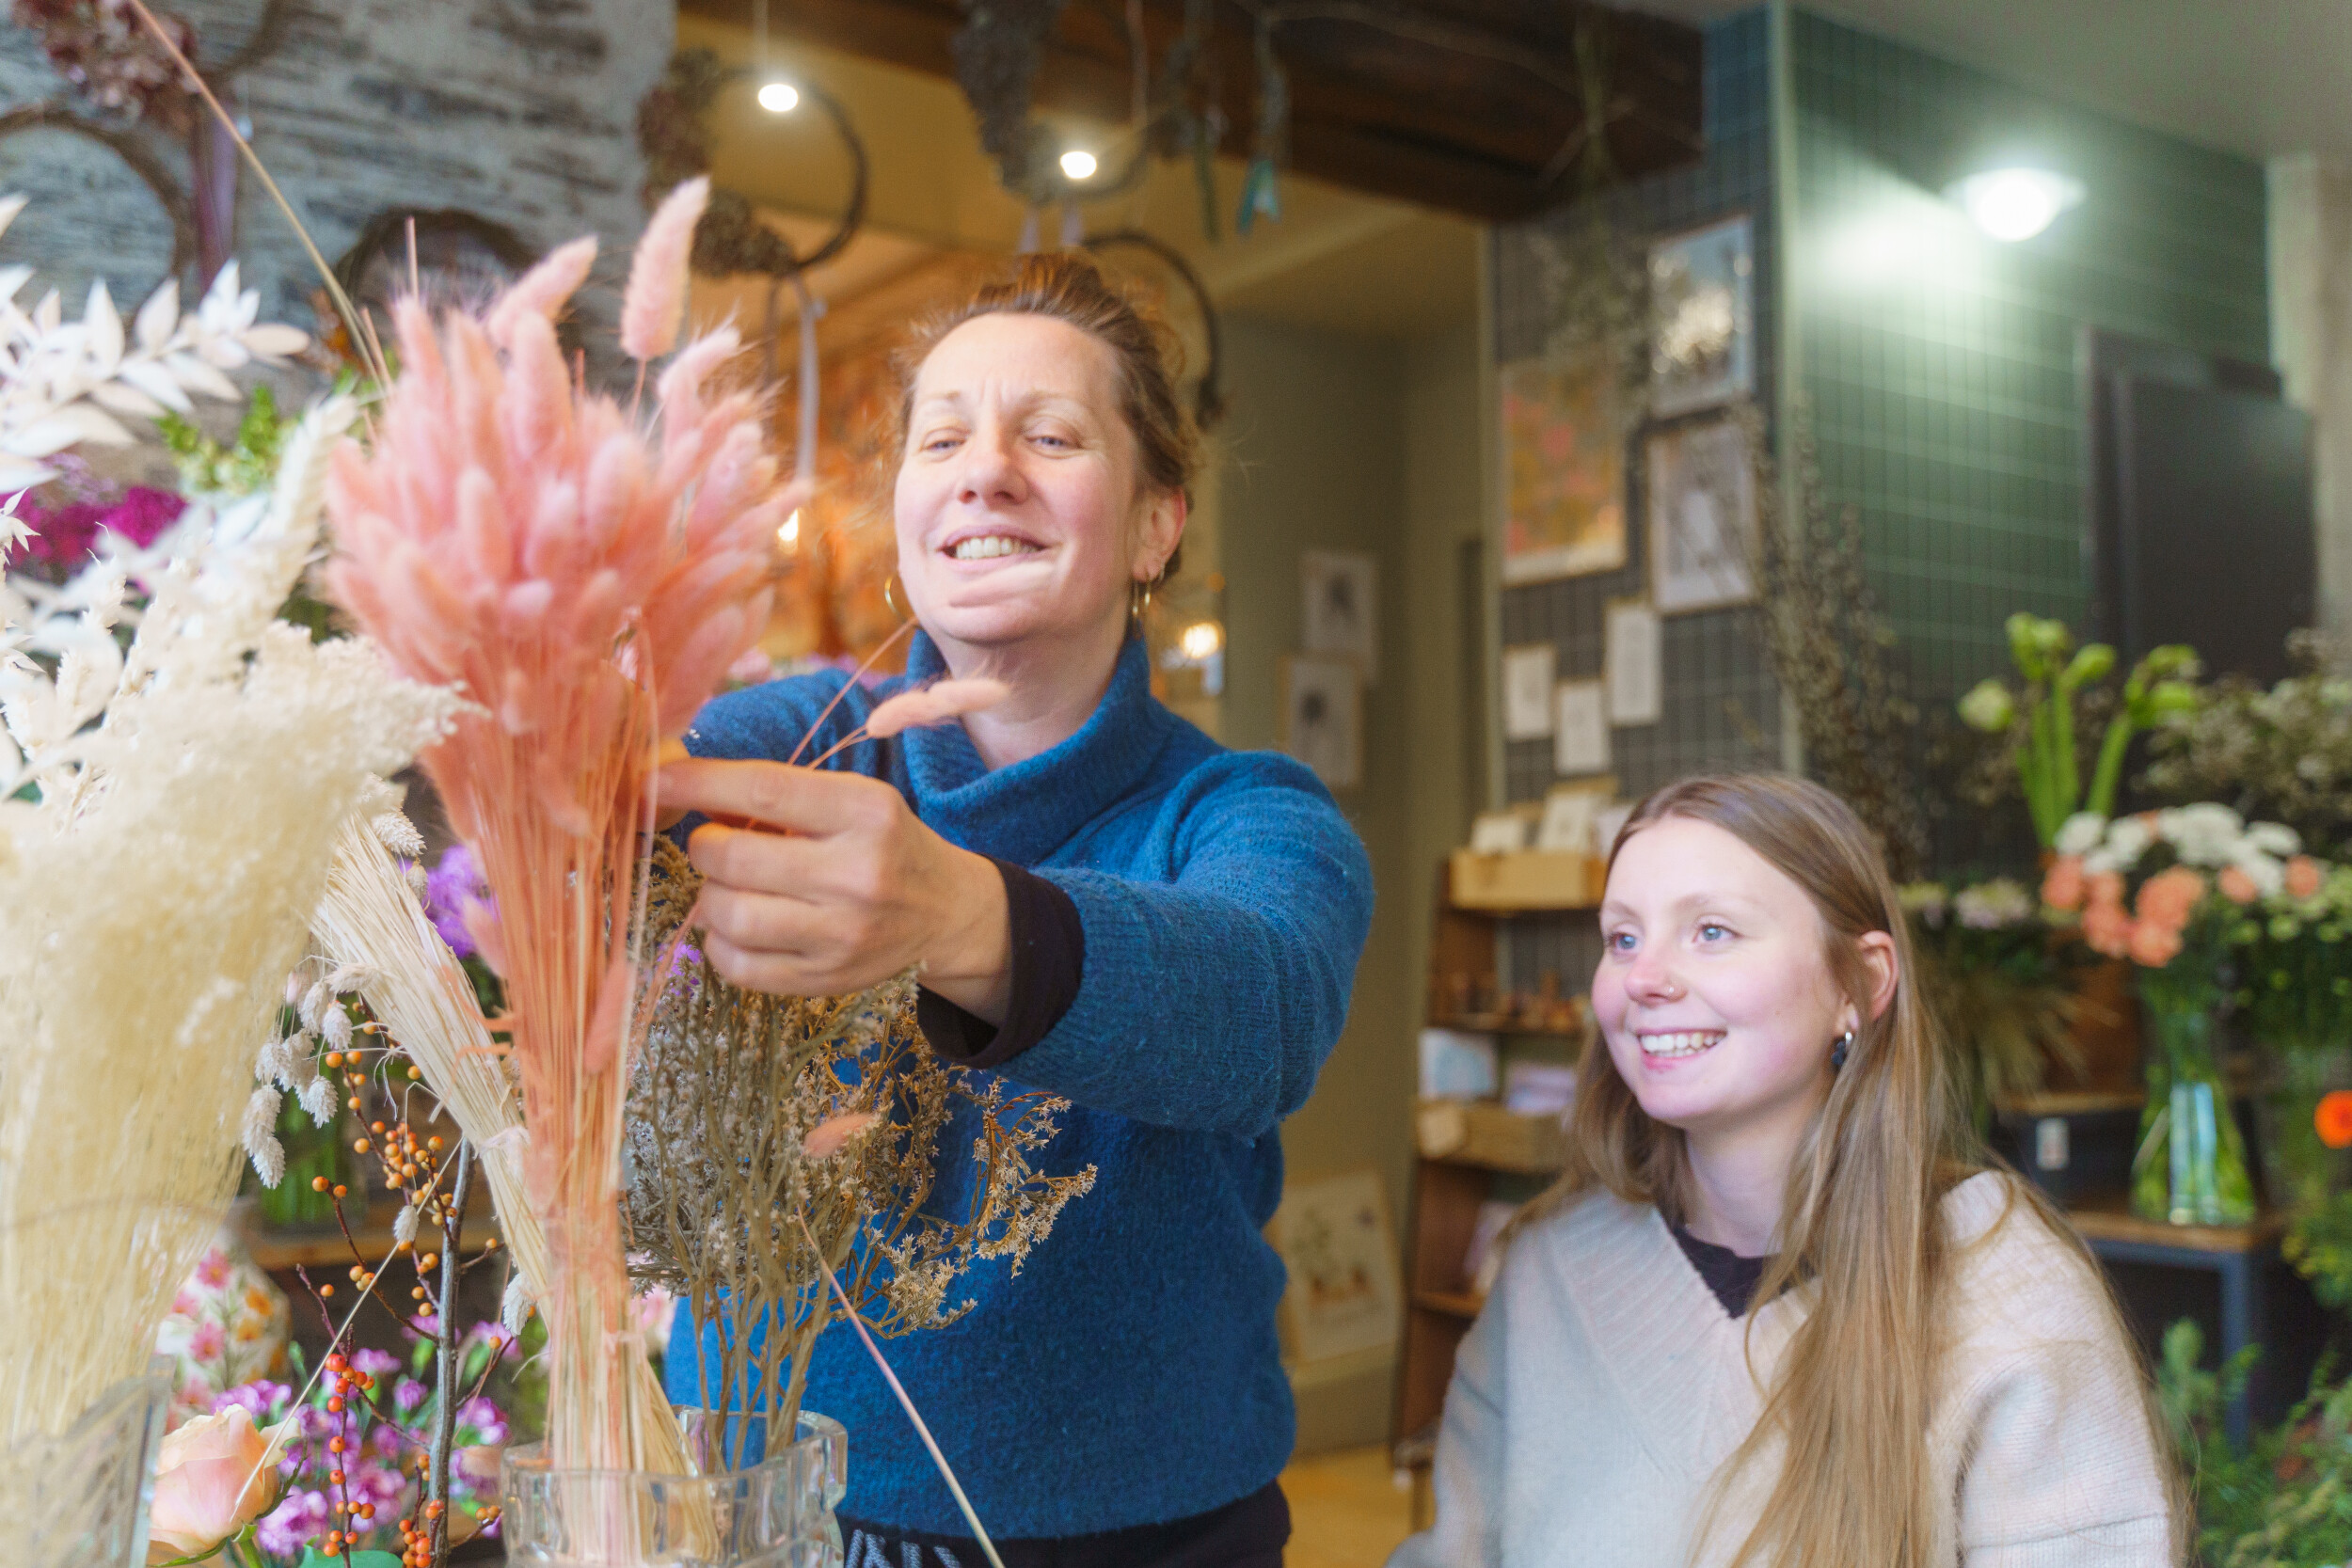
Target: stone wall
523,111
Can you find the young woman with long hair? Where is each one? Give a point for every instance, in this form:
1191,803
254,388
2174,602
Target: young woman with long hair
1778,1311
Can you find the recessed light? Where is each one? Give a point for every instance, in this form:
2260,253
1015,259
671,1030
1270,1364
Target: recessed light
2015,204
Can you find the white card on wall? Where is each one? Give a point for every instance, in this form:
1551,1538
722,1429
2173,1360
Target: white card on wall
1580,739
1527,681
1636,675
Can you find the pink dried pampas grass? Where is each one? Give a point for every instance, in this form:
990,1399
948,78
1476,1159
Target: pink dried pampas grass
587,583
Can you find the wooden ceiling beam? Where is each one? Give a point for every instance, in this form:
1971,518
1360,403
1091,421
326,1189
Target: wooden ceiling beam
1465,105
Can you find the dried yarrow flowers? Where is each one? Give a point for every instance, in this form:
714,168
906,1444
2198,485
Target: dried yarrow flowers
751,1116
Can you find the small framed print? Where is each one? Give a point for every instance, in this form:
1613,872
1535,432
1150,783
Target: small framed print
1339,612
1701,487
1702,287
1635,676
1344,1294
1322,717
1528,677
1579,737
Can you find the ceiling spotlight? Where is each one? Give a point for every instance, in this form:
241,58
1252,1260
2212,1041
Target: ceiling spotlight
779,98
1078,163
2015,204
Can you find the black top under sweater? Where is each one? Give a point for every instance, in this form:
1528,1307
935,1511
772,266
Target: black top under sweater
1732,1278
1250,1533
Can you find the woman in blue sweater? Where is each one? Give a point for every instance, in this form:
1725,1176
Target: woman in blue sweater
1104,904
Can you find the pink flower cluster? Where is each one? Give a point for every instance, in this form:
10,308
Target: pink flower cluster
2149,929
64,536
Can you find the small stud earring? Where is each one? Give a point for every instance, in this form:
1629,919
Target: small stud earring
1837,1051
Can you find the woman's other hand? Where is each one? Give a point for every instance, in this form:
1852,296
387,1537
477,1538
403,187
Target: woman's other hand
836,886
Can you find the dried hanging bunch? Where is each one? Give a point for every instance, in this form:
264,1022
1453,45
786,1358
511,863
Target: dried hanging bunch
587,582
759,1123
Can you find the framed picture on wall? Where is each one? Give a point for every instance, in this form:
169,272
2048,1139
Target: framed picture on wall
1343,1296
1564,470
1700,488
1322,717
1702,290
1341,608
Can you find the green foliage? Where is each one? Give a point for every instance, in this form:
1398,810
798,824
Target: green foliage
2286,1501
249,463
2319,1245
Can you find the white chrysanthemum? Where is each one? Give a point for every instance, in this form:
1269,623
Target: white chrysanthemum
1994,906
2081,834
2208,835
2270,875
2273,838
2127,839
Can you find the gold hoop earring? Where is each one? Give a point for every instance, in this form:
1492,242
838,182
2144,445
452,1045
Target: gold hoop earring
891,598
1139,600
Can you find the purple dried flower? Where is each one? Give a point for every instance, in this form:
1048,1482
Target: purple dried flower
451,886
299,1518
373,1362
484,1417
407,1394
260,1399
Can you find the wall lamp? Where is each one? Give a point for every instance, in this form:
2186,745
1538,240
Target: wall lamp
2015,204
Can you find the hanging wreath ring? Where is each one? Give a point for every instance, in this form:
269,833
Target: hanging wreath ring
1208,400
135,154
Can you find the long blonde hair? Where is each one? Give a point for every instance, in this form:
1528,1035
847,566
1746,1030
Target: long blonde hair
1850,1406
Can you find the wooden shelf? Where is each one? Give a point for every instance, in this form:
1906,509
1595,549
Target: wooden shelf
276,1250
1502,1023
2109,1217
2071,1102
1454,1304
1523,882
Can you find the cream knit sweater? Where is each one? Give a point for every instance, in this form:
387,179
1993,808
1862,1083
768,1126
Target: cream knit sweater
1595,1398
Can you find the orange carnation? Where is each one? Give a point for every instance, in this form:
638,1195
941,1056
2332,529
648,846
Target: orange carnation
2154,945
2238,887
2064,887
2334,1119
2108,930
2303,877
2167,896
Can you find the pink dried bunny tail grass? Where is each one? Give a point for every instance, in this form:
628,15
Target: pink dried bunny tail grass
657,278
542,291
934,704
587,583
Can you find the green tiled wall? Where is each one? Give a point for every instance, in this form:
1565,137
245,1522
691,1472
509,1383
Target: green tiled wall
1940,365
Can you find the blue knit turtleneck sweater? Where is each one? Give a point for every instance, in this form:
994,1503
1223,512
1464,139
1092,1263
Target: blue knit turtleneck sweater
1130,1374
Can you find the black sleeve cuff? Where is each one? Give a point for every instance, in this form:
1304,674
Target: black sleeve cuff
1049,947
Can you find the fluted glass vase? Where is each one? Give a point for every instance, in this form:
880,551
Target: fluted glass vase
80,1500
774,1512
2190,1167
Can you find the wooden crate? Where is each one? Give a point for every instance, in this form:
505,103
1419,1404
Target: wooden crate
1476,1133
1524,880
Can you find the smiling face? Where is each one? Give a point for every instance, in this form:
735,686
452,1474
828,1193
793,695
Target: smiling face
1714,992
1018,513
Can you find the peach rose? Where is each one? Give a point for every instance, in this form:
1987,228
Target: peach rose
2303,877
2107,888
2237,886
2064,887
2154,945
2167,896
215,1475
2108,930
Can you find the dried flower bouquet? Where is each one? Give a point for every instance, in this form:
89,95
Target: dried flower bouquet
167,809
773,1139
514,535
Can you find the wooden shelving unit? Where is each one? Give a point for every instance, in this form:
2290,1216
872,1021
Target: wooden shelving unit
1465,1151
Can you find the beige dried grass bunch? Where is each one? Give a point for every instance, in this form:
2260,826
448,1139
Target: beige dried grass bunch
152,901
751,1113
